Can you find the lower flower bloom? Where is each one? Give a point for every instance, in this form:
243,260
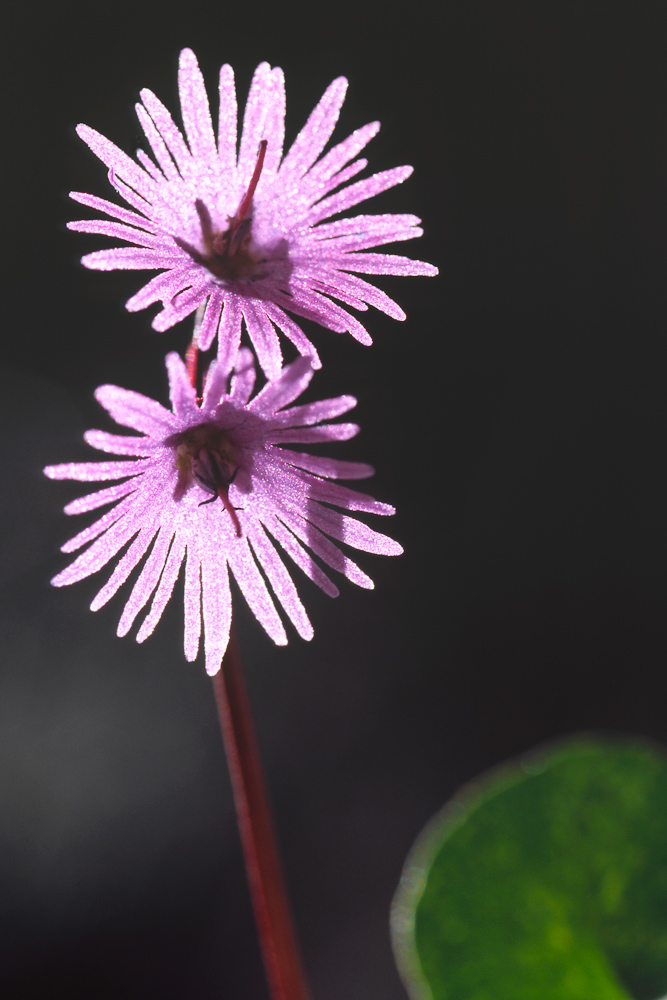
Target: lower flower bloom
210,485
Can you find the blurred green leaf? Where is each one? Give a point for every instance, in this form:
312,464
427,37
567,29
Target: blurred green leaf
546,880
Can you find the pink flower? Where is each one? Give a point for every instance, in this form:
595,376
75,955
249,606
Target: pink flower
210,484
245,233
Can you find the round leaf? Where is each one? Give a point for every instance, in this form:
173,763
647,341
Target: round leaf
545,880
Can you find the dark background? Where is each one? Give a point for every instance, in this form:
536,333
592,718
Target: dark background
517,419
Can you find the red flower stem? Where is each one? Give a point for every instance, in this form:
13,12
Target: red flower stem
273,915
191,359
192,353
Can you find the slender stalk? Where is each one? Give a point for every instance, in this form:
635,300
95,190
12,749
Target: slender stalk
267,885
192,353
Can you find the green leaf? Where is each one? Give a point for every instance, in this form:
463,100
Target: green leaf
546,880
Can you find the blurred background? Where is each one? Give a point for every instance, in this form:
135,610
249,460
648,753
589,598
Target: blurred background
517,420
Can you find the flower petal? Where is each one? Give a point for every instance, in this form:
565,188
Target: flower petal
280,580
382,263
352,532
95,529
358,192
101,497
313,413
163,287
182,395
115,211
165,588
157,144
227,121
211,319
264,338
192,602
132,557
303,559
119,231
329,468
292,331
91,472
260,98
131,409
253,588
195,109
184,302
118,161
315,134
243,379
274,129
282,390
119,444
129,259
217,611
309,435
170,134
147,581
229,332
324,548
342,153
99,554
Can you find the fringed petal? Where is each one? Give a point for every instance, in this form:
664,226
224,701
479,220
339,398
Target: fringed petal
253,588
192,602
195,109
164,590
280,580
132,557
131,409
217,610
181,393
146,582
315,134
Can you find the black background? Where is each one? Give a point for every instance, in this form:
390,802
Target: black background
517,420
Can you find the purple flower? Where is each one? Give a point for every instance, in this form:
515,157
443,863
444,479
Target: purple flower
210,484
245,233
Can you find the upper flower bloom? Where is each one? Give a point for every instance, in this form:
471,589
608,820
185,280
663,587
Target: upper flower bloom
209,483
244,232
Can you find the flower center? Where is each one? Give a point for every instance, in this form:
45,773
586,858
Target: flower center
228,254
206,455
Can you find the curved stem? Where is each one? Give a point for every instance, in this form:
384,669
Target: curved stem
267,885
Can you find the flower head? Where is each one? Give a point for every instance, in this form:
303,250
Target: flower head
209,484
245,233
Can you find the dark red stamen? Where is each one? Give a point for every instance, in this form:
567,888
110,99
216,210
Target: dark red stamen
247,200
224,496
